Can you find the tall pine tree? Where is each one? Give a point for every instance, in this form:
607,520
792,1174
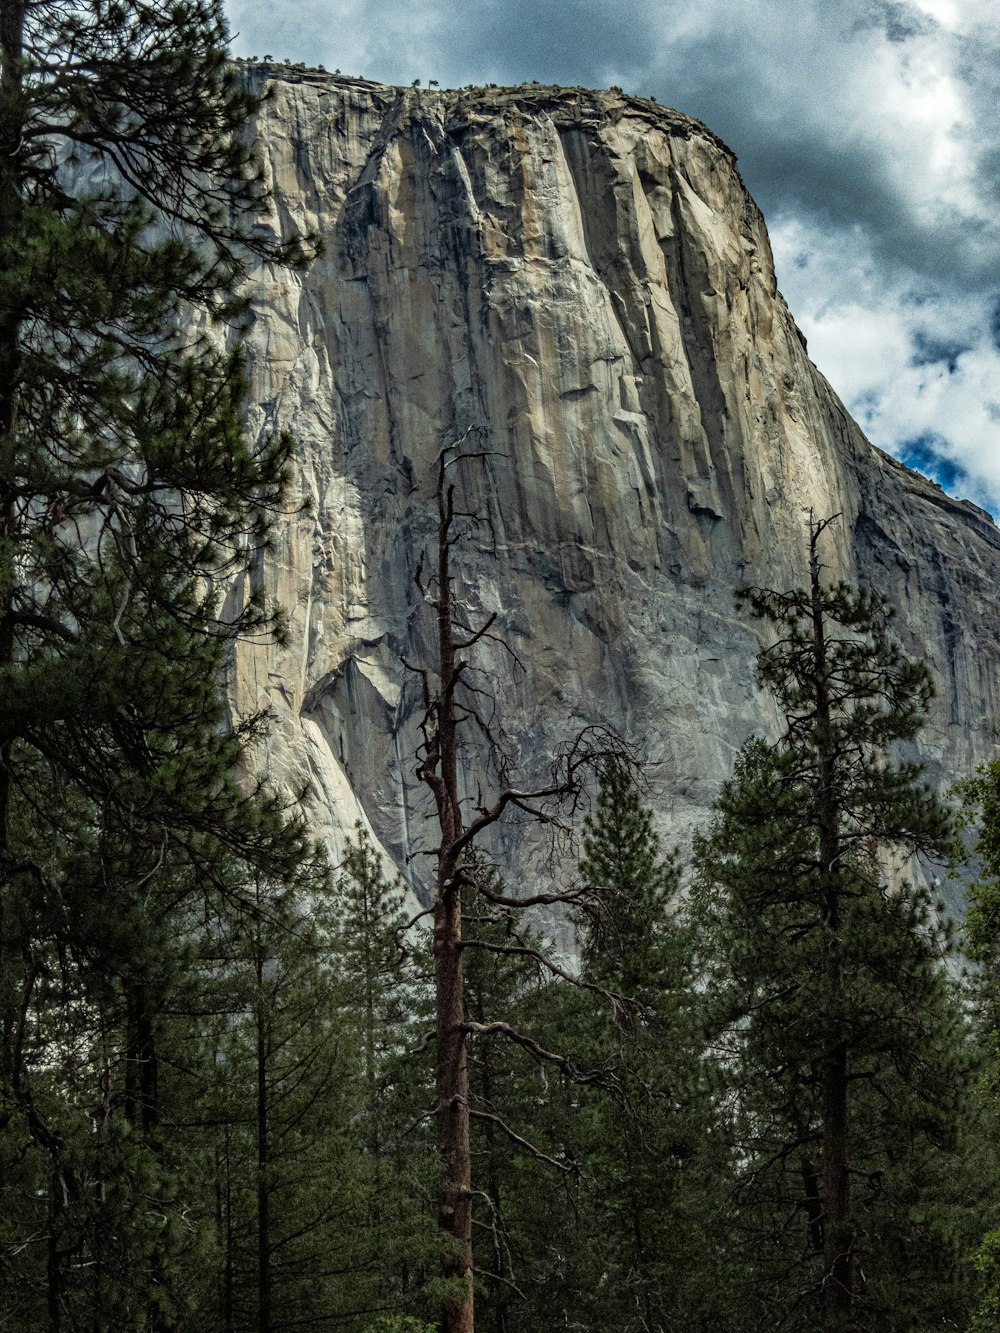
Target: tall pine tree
834,1024
982,944
651,1155
130,499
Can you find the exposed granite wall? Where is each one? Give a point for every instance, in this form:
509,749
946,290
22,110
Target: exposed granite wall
583,278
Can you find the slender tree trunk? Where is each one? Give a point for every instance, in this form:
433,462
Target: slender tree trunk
263,1165
11,206
224,1205
639,1261
438,767
53,1263
371,1060
493,1188
142,1109
11,209
838,1248
454,1142
141,1066
813,1204
838,1231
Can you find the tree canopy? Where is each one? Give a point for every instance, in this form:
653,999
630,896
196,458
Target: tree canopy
133,508
832,1014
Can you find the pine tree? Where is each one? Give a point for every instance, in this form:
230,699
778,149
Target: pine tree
598,1199
982,946
287,1081
302,1181
129,499
126,195
631,938
517,1166
384,975
835,1028
650,1151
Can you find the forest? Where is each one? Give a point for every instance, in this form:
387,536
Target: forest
244,1087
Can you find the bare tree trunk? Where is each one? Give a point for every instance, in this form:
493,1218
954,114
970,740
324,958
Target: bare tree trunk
438,768
440,771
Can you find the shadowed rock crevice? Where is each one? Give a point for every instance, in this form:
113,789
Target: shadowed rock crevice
581,277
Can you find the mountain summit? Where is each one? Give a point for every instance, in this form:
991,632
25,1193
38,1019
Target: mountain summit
581,282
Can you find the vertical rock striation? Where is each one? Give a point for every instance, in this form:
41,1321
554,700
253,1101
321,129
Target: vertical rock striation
582,279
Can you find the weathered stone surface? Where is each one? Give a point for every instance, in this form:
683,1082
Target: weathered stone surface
583,278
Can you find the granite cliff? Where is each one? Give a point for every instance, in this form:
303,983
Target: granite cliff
582,278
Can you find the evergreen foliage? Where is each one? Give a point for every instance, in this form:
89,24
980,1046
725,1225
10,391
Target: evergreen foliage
386,1010
130,499
835,1028
602,1208
652,1156
982,944
214,1110
526,1082
631,940
321,1219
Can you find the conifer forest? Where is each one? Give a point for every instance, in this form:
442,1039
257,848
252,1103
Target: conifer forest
746,1085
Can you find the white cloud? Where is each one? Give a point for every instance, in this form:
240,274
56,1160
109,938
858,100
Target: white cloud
916,366
866,129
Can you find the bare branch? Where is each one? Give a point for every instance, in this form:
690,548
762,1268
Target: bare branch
525,951
567,897
462,644
534,1048
401,930
569,1167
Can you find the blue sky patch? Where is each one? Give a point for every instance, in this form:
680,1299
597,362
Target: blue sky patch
927,454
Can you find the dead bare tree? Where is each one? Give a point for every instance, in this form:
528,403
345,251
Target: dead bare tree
451,703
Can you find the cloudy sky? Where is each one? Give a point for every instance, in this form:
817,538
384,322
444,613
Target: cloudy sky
867,130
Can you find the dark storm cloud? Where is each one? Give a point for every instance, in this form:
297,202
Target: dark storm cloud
867,130
579,42
802,98
783,82
797,88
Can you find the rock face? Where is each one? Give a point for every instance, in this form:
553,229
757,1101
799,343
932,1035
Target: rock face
582,279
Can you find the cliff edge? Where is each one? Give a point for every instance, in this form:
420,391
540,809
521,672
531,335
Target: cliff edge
582,278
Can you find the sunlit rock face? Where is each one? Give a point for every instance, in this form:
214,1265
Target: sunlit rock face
582,279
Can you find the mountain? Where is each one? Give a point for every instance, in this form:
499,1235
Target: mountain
582,280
